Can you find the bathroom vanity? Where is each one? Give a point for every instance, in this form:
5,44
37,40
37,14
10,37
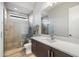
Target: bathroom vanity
42,50
43,47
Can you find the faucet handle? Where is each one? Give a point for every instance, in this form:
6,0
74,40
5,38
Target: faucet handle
70,35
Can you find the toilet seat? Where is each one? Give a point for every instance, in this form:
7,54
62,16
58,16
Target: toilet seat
27,46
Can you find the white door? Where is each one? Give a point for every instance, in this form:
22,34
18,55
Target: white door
1,29
74,21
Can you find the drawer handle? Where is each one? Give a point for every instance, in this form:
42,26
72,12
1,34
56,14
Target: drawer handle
52,54
48,53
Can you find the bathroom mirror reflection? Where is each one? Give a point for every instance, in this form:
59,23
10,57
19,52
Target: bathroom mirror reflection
45,25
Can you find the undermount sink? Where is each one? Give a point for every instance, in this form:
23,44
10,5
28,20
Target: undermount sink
46,38
50,40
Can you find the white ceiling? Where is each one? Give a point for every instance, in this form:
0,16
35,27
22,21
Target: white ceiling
48,10
27,7
22,7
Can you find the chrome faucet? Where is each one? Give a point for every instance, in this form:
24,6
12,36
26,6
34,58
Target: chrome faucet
51,35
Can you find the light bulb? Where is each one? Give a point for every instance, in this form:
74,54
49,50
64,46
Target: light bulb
15,8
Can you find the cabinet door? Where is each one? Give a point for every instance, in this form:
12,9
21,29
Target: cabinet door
34,48
43,50
52,52
40,49
58,53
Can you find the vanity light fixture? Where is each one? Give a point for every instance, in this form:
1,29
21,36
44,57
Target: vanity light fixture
51,3
15,9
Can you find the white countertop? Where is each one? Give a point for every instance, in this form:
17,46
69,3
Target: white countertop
66,47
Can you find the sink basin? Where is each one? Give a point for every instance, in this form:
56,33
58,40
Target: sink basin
50,40
45,38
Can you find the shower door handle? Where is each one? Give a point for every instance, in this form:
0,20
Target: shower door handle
1,35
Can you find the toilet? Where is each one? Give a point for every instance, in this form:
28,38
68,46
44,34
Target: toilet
27,47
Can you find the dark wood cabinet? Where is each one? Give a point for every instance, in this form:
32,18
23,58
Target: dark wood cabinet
57,53
42,50
34,48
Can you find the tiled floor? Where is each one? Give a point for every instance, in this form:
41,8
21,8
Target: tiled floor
19,52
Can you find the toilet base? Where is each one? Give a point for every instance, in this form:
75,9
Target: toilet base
27,47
